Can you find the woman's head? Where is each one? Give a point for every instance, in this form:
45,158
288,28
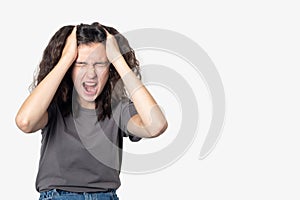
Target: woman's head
93,76
90,73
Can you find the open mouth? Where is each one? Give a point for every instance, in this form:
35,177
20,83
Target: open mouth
90,87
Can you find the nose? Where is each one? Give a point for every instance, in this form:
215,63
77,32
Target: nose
91,72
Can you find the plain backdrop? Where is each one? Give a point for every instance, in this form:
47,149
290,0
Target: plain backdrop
255,48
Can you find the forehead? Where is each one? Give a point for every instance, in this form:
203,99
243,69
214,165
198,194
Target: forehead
93,51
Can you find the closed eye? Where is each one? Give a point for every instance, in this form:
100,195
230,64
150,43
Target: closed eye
96,64
102,64
81,64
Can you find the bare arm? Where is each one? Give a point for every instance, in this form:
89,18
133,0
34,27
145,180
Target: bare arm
33,115
150,120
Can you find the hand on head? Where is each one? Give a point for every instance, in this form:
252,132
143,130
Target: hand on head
70,50
112,48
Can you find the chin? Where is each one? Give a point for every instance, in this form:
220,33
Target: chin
90,98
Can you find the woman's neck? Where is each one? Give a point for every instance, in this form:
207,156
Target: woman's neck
86,104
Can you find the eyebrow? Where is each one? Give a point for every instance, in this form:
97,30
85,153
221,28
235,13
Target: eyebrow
105,62
81,62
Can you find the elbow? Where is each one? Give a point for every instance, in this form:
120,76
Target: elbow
23,124
159,129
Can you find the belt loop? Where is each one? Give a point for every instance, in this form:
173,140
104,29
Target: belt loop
55,193
112,190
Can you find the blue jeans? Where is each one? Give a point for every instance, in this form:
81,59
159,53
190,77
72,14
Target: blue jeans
56,194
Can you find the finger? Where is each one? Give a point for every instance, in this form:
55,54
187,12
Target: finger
107,33
74,30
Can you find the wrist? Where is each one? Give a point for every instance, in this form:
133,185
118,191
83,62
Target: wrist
118,61
121,66
65,61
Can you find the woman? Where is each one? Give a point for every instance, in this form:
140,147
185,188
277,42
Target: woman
80,103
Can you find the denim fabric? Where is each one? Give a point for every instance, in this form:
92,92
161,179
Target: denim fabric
56,194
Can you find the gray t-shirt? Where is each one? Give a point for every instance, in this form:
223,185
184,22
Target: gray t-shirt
80,153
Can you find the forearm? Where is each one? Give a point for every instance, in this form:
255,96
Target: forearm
152,118
36,104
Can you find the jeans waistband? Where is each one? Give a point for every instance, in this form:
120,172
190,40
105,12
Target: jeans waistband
59,192
68,192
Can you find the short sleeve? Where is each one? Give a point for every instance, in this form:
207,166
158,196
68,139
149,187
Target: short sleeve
52,112
127,111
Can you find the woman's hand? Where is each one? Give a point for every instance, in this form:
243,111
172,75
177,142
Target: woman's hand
70,51
33,114
150,120
112,48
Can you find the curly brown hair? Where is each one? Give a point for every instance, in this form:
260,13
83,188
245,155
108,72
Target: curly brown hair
86,34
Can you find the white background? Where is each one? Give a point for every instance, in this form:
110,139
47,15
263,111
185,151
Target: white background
255,47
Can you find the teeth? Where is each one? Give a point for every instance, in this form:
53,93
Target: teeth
89,84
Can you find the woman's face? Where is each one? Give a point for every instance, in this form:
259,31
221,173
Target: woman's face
90,73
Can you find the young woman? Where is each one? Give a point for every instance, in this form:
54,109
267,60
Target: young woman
87,96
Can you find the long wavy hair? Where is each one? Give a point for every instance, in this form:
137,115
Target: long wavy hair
86,34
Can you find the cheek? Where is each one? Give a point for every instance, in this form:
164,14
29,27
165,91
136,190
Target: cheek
103,76
76,76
